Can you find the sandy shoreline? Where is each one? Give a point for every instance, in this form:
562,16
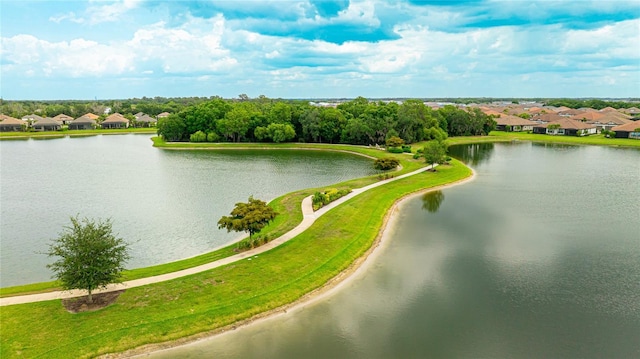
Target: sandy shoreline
357,268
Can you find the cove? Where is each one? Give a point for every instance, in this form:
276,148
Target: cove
167,203
539,256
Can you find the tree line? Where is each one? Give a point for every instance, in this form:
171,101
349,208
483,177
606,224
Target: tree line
358,121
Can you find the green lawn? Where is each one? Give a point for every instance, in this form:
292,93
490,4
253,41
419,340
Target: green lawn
219,297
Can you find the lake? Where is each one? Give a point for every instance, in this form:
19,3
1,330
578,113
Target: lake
166,203
537,257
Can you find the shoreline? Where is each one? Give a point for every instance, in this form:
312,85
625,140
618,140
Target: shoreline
331,287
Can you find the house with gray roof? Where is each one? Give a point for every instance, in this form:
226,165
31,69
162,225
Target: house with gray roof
83,123
46,124
145,121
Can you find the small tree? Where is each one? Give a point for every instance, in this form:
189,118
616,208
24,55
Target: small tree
435,152
395,141
90,256
248,217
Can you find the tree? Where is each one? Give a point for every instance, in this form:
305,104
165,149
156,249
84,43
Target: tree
172,128
90,256
248,217
435,152
395,141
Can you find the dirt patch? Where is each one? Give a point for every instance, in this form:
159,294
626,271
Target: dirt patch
100,300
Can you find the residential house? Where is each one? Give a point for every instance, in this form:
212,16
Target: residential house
565,126
145,121
115,120
546,117
10,124
513,123
91,116
46,124
164,114
63,119
83,123
569,112
31,119
628,130
610,119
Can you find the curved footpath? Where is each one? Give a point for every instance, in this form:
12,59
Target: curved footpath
309,217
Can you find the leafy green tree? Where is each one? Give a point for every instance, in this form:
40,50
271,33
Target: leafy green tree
331,125
172,128
280,132
280,112
395,141
435,152
310,122
248,217
89,255
356,132
235,124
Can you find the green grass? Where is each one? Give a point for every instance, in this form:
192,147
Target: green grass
219,297
54,134
501,136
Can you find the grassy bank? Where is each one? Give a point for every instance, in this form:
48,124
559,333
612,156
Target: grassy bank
63,133
214,299
288,206
599,140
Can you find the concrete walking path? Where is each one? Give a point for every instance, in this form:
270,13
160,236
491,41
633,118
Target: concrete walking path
309,218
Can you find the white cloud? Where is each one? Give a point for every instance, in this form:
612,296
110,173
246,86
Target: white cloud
110,12
70,16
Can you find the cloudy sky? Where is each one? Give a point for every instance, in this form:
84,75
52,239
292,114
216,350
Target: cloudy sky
319,49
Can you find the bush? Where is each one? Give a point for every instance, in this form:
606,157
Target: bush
387,163
406,148
321,199
395,149
213,137
198,137
250,243
416,156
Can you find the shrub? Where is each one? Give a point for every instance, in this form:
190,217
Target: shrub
213,137
250,243
321,199
406,148
198,137
387,163
395,149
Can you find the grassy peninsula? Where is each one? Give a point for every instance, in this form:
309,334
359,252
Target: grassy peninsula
209,301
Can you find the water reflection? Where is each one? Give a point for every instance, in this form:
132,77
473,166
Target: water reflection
473,154
431,201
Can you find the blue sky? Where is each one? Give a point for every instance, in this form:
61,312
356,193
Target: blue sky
319,49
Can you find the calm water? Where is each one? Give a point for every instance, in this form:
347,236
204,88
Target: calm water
538,257
167,203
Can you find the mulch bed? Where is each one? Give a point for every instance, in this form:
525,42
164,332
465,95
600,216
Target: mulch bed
100,300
